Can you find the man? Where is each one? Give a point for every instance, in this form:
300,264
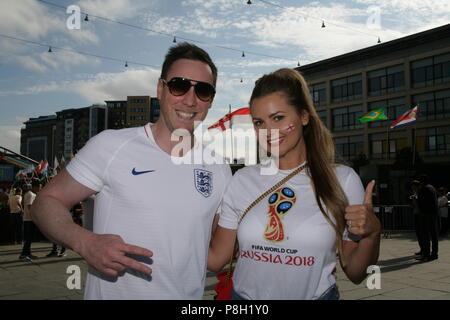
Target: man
428,208
418,221
146,205
16,215
29,229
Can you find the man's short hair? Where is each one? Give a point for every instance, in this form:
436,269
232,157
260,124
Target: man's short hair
188,51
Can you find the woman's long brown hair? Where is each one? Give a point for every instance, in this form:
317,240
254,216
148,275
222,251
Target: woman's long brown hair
320,150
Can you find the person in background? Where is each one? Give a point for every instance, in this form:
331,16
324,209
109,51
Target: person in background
428,207
16,215
443,211
418,221
29,229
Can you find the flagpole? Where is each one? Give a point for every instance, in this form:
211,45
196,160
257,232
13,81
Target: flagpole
231,132
415,138
388,145
414,144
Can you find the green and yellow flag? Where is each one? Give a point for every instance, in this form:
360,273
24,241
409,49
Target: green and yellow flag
373,115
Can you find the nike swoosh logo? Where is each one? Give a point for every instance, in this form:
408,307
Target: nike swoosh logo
135,173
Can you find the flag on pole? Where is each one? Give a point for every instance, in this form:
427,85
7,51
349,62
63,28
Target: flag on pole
39,167
55,166
241,115
44,168
373,115
20,175
28,169
407,118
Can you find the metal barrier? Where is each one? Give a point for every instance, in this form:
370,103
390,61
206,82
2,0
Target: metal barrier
395,218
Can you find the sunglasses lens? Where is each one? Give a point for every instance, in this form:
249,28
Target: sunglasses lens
178,86
204,91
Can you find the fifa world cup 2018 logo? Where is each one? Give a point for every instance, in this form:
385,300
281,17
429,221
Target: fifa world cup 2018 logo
280,202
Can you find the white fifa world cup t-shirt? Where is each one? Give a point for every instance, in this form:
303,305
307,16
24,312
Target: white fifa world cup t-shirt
153,203
287,247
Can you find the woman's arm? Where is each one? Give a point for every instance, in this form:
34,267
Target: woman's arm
221,248
363,222
359,255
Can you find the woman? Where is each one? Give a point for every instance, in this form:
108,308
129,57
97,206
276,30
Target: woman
288,241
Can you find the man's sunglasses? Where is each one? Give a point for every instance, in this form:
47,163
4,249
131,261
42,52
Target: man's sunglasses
179,86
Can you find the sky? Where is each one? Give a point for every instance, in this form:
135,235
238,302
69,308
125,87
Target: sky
273,34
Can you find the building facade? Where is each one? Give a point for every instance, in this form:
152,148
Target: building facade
117,113
37,140
133,112
396,75
63,134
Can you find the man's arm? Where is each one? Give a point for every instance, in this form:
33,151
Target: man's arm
50,212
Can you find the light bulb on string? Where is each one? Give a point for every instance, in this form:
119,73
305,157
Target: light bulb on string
323,24
174,40
86,18
379,40
50,49
249,2
126,64
243,54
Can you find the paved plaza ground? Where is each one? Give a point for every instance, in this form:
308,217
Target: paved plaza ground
402,277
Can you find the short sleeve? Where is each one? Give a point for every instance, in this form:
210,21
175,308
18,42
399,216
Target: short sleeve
227,178
89,164
354,190
28,199
229,217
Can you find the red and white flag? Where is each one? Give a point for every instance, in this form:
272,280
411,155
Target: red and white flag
407,118
39,167
239,116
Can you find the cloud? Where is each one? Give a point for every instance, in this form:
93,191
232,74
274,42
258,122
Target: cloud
102,86
117,86
10,137
113,9
31,63
25,18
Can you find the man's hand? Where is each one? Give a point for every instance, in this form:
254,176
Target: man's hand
107,254
361,219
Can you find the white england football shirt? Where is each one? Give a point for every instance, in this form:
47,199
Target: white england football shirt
152,203
287,247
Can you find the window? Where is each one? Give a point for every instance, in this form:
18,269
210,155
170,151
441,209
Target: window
379,144
430,71
323,116
433,105
319,94
349,147
386,80
347,118
433,141
345,89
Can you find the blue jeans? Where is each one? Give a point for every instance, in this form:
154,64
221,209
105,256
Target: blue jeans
332,293
235,296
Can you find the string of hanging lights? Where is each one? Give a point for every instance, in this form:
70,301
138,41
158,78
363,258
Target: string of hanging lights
323,21
52,48
174,37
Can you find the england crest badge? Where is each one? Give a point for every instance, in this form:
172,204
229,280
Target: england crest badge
203,182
